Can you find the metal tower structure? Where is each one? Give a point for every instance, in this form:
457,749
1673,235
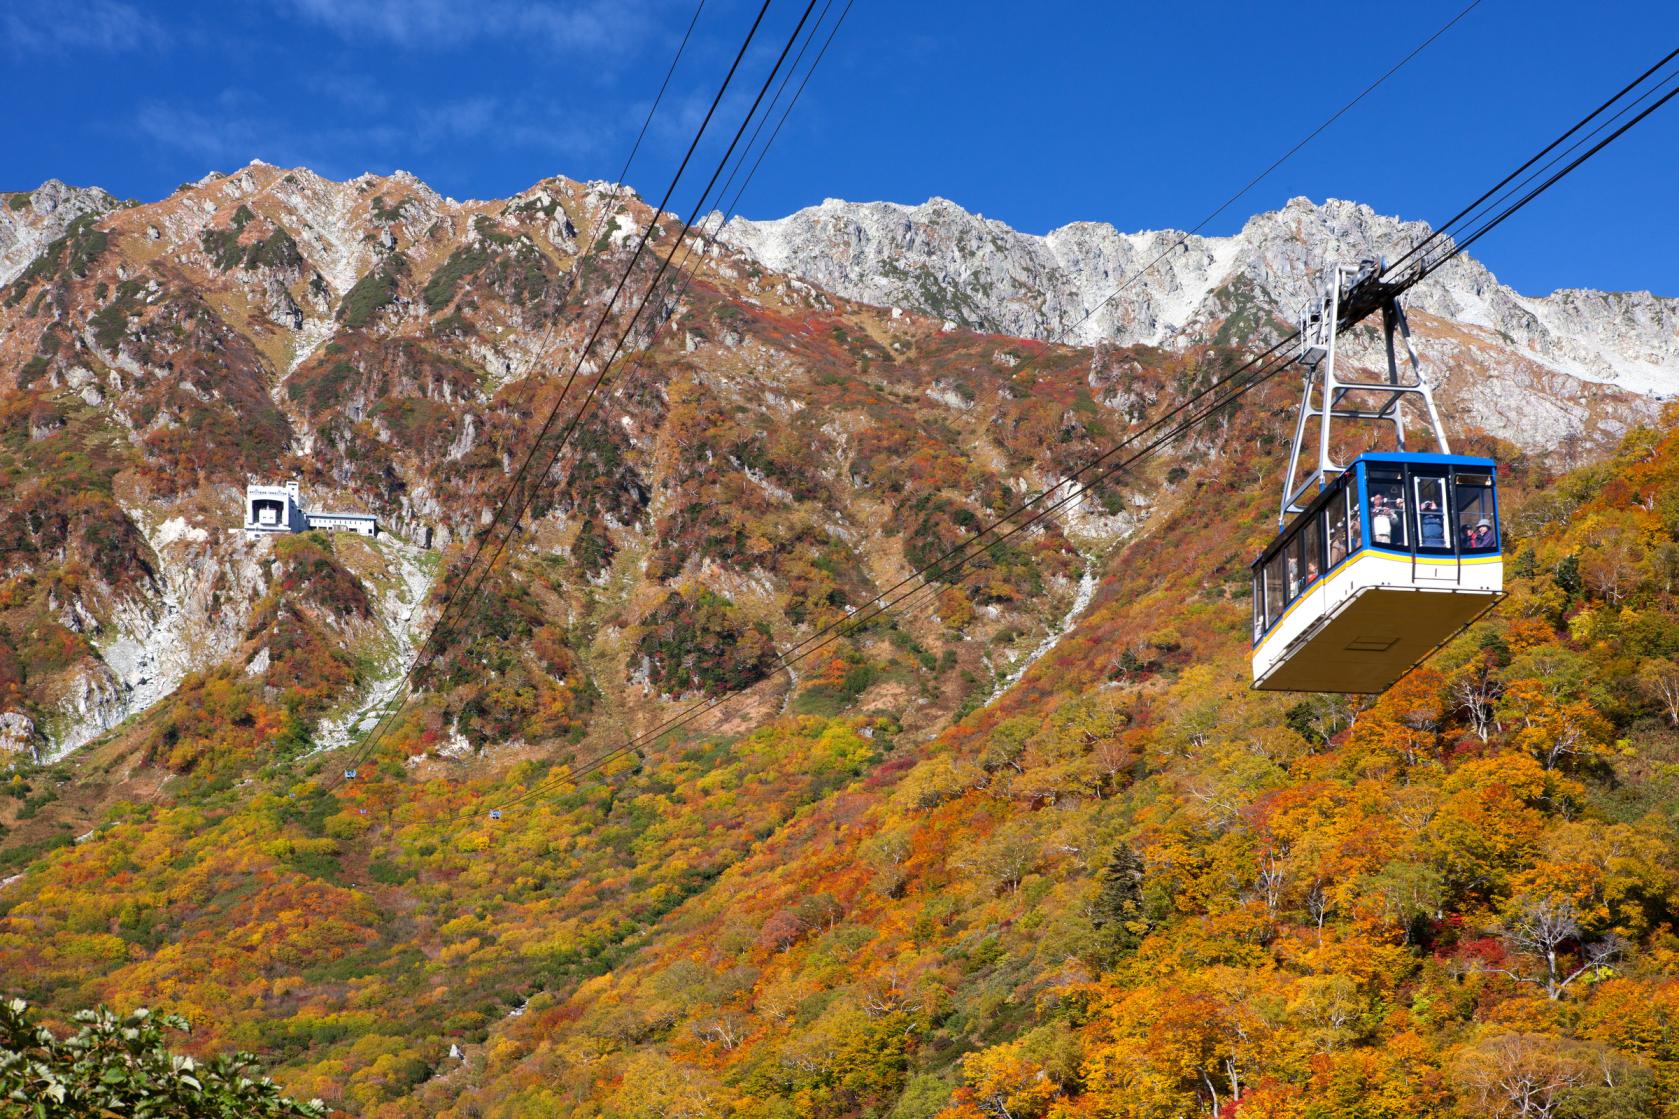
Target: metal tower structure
1348,294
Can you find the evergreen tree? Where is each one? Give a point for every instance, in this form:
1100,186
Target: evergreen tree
1118,911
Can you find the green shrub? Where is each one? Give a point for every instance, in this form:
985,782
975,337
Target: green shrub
372,292
120,1066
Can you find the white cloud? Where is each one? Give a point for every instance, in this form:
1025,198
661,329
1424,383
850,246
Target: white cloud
230,130
577,25
104,25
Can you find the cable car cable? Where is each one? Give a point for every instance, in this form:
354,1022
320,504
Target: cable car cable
1228,202
601,217
1463,244
1546,150
372,740
701,235
1275,367
1608,122
1268,370
518,509
1262,377
441,625
1183,239
588,398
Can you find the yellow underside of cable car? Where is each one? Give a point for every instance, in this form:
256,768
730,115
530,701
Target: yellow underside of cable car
1373,638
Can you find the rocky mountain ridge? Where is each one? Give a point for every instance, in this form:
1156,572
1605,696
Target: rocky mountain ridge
1088,282
32,220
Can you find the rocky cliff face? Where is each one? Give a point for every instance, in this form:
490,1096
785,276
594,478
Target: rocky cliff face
943,260
31,220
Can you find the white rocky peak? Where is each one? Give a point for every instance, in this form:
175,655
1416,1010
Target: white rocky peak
32,220
1089,282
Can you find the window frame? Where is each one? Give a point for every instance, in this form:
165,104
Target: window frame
1276,604
1310,533
1434,477
1388,474
1488,481
1337,503
1358,533
1258,602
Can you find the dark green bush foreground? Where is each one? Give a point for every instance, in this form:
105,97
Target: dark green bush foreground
120,1066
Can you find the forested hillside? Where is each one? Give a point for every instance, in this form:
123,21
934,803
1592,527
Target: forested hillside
1133,888
888,882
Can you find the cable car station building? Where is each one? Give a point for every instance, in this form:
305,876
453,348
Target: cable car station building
270,509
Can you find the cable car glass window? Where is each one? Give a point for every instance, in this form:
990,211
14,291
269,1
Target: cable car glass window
1355,526
1387,511
1431,513
1476,531
1311,550
1258,603
1292,551
1337,514
1274,597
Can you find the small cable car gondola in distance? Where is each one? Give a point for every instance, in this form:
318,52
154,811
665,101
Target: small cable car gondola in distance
1379,561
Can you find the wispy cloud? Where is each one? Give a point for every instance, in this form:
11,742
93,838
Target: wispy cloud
230,130
581,24
101,25
355,92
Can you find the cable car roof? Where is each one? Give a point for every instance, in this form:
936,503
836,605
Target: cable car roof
1431,458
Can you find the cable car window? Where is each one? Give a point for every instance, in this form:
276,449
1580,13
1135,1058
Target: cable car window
1311,550
1292,551
1387,511
1431,513
1355,526
1476,532
1337,514
1274,597
1258,603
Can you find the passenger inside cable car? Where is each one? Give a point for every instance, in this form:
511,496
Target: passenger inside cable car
1432,525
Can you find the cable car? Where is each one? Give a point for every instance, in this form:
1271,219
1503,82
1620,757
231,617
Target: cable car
1396,551
495,813
349,775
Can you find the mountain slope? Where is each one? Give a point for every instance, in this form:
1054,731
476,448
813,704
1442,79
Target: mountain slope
886,882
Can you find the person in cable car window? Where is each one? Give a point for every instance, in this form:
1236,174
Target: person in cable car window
1479,537
1433,525
1311,571
1381,520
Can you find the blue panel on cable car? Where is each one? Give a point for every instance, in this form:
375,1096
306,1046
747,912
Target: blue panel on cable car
1385,564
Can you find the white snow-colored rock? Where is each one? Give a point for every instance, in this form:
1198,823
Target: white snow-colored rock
17,733
28,227
398,609
1076,283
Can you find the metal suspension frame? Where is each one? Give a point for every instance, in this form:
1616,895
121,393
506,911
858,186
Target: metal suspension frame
1347,295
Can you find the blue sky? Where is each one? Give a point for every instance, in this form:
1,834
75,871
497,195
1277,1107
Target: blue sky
1144,115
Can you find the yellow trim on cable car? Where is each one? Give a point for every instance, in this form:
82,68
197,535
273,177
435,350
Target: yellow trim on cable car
1365,553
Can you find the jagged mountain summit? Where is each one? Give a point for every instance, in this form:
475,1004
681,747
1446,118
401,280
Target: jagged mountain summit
943,260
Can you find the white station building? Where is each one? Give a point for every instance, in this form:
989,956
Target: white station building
280,509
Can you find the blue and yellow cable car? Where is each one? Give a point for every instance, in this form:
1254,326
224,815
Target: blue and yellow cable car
1393,553
1391,559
